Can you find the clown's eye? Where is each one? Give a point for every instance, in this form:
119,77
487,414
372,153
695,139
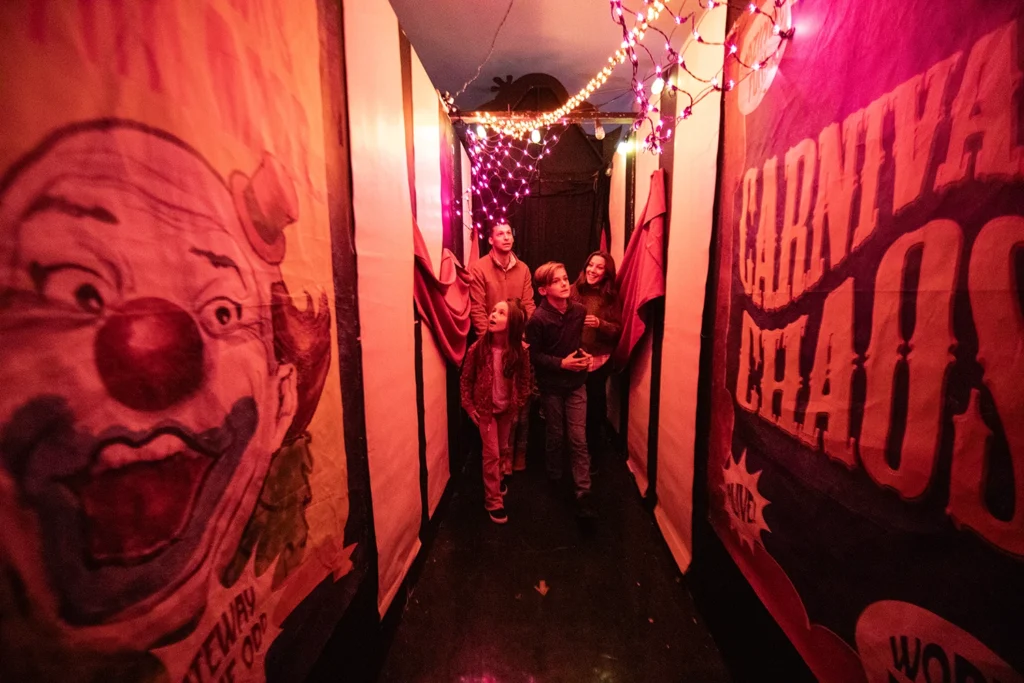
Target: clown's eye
89,298
73,286
221,315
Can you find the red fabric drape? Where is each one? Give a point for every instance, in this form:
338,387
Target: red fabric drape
642,277
442,301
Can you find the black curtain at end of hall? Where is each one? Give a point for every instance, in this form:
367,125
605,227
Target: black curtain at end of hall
567,210
562,221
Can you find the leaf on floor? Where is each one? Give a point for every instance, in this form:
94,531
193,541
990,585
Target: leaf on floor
542,587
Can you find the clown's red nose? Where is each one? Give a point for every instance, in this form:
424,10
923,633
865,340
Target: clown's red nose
150,355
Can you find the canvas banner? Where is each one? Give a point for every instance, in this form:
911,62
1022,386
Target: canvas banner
867,449
172,466
692,177
383,212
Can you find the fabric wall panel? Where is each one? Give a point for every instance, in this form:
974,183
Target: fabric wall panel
692,178
618,196
617,207
141,133
427,145
866,464
384,247
639,412
435,419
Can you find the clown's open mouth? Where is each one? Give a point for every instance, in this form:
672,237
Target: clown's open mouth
137,498
126,515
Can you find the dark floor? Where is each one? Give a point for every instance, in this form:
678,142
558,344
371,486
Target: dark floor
617,609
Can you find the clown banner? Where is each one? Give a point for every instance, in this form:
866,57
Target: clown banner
172,468
867,448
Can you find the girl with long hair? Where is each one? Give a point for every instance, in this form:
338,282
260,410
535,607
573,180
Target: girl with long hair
595,289
495,383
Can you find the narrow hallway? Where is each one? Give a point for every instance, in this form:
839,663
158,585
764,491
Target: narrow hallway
616,608
277,275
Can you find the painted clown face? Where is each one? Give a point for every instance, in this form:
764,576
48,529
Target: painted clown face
141,399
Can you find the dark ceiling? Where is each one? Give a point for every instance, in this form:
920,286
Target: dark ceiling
568,39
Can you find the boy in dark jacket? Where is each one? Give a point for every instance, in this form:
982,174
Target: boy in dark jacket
560,366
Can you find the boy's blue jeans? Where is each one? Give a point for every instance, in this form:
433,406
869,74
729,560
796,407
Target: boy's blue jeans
566,415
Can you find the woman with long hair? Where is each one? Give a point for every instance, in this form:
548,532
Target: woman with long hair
495,383
595,289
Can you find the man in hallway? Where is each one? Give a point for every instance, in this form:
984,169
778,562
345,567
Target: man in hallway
498,276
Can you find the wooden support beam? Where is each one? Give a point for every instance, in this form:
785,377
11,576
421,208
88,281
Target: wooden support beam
605,117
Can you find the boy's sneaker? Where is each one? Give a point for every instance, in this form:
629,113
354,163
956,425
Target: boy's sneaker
498,516
585,508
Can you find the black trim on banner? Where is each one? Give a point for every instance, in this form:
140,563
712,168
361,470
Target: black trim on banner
346,291
456,457
451,213
353,617
421,427
656,323
702,531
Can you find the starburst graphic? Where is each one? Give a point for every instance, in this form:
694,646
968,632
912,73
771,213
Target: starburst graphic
743,502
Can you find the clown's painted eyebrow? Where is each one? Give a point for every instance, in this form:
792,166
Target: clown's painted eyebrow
218,260
49,202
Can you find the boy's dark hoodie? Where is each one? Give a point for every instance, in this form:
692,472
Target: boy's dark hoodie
553,335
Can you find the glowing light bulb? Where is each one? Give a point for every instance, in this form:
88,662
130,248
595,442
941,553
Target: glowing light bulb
481,131
598,130
658,85
623,148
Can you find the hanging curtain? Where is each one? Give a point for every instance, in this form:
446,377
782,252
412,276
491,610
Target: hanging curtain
642,275
442,300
